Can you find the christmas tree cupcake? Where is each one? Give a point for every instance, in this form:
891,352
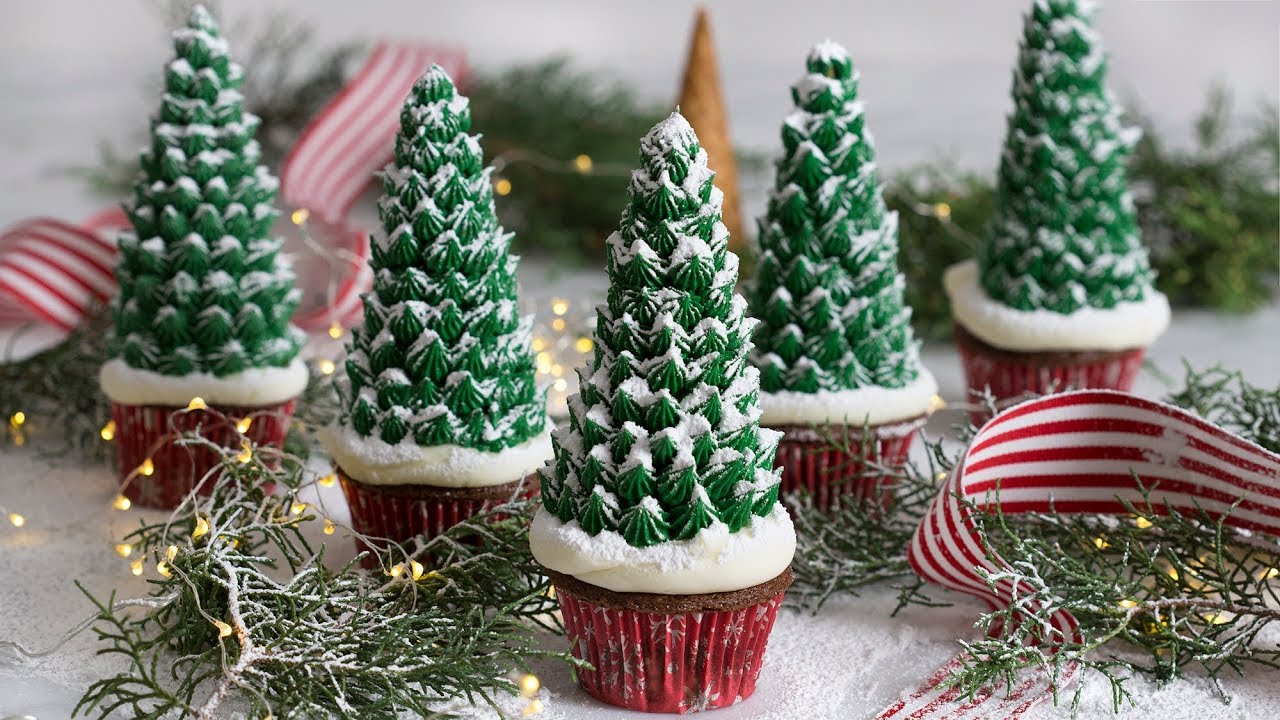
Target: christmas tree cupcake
1060,294
838,361
202,315
443,416
661,528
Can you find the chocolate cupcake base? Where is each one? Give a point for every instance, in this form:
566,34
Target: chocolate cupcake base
150,433
832,462
1010,374
397,513
669,653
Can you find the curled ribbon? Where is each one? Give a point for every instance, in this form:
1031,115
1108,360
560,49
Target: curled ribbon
53,272
1075,452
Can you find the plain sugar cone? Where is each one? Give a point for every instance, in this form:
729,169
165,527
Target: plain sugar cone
702,104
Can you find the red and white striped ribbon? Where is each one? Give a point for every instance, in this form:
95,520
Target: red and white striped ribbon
1076,452
53,271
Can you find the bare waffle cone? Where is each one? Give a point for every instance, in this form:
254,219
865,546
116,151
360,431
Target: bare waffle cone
702,104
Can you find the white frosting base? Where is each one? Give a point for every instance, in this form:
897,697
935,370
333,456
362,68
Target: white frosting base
374,462
714,560
863,406
1127,325
254,387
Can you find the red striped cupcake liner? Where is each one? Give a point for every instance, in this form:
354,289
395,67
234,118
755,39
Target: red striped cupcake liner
398,513
1008,378
149,432
668,663
810,462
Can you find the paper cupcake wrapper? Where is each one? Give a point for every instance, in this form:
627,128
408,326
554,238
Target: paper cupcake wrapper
148,432
1008,378
385,516
810,463
660,663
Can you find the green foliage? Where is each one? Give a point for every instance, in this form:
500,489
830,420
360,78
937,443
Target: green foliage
304,640
663,439
1063,235
202,287
57,390
539,117
443,355
1211,215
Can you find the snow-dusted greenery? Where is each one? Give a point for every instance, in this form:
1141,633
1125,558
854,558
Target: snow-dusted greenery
1064,234
664,439
306,640
202,285
443,356
827,287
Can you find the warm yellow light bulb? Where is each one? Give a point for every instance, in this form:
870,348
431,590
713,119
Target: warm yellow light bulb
942,211
940,476
171,552
583,163
17,519
328,480
1127,603
559,306
397,570
224,630
560,384
529,685
243,425
539,344
335,331
300,216
557,369
297,508
246,453
327,367
202,528
558,324
147,467
1142,523
328,527
583,345
108,431
502,186
533,708
163,568
936,403
417,569
135,567
197,403
1101,543
121,503
18,419
124,549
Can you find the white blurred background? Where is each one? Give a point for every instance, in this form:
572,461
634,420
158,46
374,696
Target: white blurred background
935,72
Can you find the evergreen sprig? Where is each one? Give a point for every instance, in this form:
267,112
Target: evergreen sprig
1157,593
252,614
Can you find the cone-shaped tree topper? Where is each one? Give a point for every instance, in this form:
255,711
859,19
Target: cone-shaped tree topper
702,104
203,288
1064,235
827,286
443,356
663,440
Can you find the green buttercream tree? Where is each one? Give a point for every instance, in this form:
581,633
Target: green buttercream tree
443,356
1064,234
202,285
827,287
664,438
